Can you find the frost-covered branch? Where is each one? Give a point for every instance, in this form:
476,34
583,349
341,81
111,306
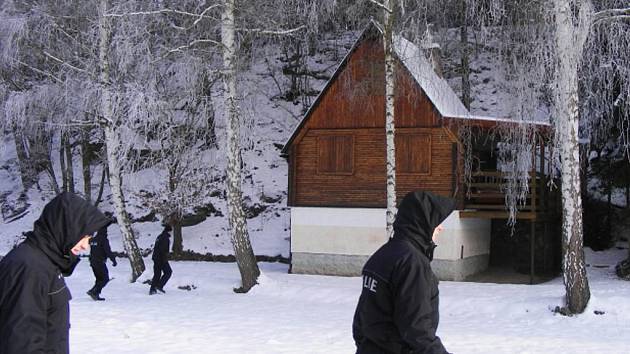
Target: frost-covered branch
65,63
182,48
610,15
199,16
249,30
71,124
203,13
584,22
193,43
272,32
55,78
382,6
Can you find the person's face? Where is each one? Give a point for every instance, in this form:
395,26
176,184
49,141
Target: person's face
82,245
436,232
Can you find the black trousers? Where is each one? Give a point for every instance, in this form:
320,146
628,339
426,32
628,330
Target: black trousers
102,276
161,274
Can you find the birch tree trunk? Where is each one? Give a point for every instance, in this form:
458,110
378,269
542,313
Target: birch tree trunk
238,224
570,37
389,115
463,34
112,144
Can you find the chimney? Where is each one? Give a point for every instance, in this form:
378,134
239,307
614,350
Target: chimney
433,50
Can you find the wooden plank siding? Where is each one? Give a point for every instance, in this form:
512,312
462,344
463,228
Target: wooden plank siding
356,99
366,186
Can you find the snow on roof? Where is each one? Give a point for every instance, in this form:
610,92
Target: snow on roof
437,89
502,120
439,92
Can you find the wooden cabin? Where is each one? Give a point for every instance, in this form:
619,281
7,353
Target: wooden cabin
337,174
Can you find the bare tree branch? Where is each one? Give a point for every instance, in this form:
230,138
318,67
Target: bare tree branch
38,70
65,63
67,124
610,15
195,42
249,30
584,23
272,32
181,49
199,16
381,6
203,13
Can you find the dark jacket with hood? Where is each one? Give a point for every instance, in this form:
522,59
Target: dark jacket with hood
34,309
398,308
100,249
162,244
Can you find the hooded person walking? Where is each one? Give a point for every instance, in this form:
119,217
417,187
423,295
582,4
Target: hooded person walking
398,310
100,251
161,269
34,299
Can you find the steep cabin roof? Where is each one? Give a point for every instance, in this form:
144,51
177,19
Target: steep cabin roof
445,101
436,88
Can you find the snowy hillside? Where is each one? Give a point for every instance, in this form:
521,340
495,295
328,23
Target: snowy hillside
268,120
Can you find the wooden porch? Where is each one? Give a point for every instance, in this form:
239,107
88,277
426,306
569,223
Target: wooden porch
485,198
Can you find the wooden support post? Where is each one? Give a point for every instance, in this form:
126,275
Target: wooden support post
532,239
543,178
533,181
545,239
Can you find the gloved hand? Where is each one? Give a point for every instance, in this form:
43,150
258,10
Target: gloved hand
114,263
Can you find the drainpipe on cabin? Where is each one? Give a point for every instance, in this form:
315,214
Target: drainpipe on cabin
433,50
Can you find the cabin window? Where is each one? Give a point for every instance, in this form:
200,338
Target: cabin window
335,154
413,153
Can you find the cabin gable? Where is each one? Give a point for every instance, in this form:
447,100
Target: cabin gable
338,156
355,99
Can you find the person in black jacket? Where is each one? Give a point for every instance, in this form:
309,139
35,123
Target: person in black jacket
34,308
99,252
398,307
161,269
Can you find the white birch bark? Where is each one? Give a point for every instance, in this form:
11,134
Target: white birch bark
112,143
389,116
238,224
570,37
465,63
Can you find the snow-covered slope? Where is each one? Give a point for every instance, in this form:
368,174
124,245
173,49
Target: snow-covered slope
267,122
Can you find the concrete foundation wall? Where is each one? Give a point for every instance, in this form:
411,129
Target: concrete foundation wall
337,230
458,270
338,241
327,264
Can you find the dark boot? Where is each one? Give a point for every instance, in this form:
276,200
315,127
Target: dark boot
95,296
152,291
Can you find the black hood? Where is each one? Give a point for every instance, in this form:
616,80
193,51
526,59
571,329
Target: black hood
419,213
64,221
102,232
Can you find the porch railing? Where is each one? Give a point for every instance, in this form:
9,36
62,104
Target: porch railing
484,196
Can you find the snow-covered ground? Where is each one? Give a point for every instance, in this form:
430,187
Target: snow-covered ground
290,313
